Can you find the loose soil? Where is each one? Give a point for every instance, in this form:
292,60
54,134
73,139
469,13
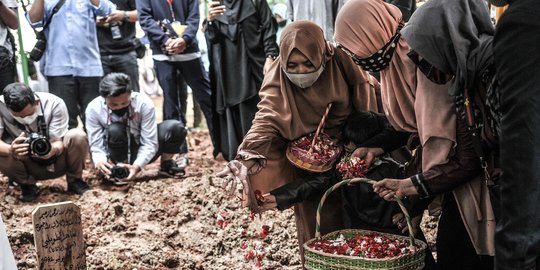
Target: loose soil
162,223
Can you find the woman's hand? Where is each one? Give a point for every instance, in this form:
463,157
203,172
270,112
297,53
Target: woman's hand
269,203
215,9
389,188
367,154
235,171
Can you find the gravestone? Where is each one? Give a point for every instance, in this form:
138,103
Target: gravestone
58,237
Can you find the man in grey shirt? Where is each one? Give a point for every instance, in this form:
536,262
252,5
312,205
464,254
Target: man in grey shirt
123,133
36,143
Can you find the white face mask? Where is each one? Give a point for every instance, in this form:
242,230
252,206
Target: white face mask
305,80
28,120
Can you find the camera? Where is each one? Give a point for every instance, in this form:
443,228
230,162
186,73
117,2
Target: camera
39,48
119,173
39,144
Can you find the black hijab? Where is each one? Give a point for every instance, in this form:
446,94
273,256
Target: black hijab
455,36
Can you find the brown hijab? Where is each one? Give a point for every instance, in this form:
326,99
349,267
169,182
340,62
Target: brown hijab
411,102
287,112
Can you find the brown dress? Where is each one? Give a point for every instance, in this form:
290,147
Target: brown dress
287,112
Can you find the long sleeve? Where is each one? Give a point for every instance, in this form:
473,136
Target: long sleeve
192,22
148,23
105,8
389,140
302,188
460,168
269,29
96,133
149,138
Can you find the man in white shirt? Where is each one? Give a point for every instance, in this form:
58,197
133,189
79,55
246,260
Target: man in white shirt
36,144
123,133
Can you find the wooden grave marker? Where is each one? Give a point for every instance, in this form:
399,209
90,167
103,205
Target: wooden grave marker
58,237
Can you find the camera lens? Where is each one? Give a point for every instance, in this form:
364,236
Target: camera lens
41,147
118,172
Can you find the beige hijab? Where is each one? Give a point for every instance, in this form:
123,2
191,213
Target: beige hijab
287,112
411,102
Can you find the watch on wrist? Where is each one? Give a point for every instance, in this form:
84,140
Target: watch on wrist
126,16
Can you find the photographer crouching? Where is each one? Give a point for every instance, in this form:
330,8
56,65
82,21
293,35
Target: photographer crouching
36,143
123,133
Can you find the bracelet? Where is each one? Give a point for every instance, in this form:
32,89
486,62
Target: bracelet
418,182
126,16
273,57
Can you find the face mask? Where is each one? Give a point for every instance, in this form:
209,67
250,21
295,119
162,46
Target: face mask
381,59
304,80
121,112
28,120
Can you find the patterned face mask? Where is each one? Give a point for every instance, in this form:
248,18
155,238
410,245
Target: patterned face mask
380,59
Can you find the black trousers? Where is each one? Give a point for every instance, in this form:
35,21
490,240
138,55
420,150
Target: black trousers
76,92
7,76
171,135
454,247
516,43
125,63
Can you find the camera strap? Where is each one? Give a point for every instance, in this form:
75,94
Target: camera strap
54,11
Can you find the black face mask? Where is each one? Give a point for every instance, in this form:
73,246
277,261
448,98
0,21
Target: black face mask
121,112
380,59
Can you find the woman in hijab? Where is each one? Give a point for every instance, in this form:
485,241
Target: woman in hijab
308,75
369,31
241,37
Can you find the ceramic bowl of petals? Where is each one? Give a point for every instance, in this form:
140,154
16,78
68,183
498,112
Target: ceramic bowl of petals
318,156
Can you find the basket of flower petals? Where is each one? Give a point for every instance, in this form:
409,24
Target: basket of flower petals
315,152
363,249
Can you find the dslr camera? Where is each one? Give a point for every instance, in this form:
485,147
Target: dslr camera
39,144
119,172
39,48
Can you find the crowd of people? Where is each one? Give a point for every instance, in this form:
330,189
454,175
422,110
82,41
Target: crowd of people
437,100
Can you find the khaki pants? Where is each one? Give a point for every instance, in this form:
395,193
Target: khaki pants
70,162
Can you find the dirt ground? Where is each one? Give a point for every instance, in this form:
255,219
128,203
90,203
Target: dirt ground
163,223
160,224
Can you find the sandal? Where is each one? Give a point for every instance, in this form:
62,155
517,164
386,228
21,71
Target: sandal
171,169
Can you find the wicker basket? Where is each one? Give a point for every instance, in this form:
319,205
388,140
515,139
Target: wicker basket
317,260
304,159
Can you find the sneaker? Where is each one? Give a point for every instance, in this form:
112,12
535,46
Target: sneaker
12,183
78,186
170,168
182,161
29,192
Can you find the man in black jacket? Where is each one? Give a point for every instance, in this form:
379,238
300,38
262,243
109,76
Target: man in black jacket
175,49
515,48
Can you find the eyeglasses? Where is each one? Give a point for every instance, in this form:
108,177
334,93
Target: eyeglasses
355,58
432,73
